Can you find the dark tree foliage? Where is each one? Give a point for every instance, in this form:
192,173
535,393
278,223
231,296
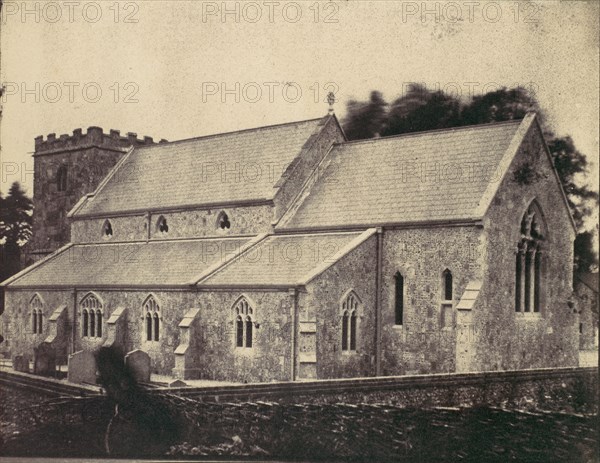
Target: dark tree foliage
500,105
15,215
420,109
570,163
15,228
366,119
585,261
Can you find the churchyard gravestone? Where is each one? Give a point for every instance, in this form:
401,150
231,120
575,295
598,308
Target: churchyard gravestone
21,363
44,360
139,364
82,367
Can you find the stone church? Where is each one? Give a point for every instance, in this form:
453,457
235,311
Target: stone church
286,252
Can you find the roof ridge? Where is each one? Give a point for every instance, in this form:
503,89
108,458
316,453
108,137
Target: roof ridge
424,132
221,134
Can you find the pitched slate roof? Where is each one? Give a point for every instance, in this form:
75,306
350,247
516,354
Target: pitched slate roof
156,263
424,176
225,168
286,260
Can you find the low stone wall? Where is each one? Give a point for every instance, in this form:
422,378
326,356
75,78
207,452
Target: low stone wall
44,386
561,388
570,387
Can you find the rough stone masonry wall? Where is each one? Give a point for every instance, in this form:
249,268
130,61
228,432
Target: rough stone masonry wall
270,357
558,389
421,345
192,223
506,339
587,306
356,271
173,305
17,320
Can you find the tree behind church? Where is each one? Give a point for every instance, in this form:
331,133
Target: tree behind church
15,228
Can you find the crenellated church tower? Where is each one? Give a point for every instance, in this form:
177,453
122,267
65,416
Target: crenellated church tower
66,168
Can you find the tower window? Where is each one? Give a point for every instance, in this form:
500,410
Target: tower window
61,178
447,283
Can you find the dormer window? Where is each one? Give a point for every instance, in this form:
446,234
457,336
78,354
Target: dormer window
161,225
107,231
223,221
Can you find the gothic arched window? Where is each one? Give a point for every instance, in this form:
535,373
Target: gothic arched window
91,316
447,309
244,323
349,315
151,315
99,323
85,323
530,260
37,309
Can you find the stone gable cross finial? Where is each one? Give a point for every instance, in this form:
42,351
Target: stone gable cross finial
331,101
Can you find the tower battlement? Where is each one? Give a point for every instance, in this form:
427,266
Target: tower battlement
94,137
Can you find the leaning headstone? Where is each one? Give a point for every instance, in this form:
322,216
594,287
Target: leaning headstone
139,364
44,360
21,363
82,367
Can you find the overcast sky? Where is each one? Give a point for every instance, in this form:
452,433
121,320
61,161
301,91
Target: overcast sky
182,69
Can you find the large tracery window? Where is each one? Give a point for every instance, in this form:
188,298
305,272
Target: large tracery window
151,316
91,316
244,323
529,261
349,314
37,309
